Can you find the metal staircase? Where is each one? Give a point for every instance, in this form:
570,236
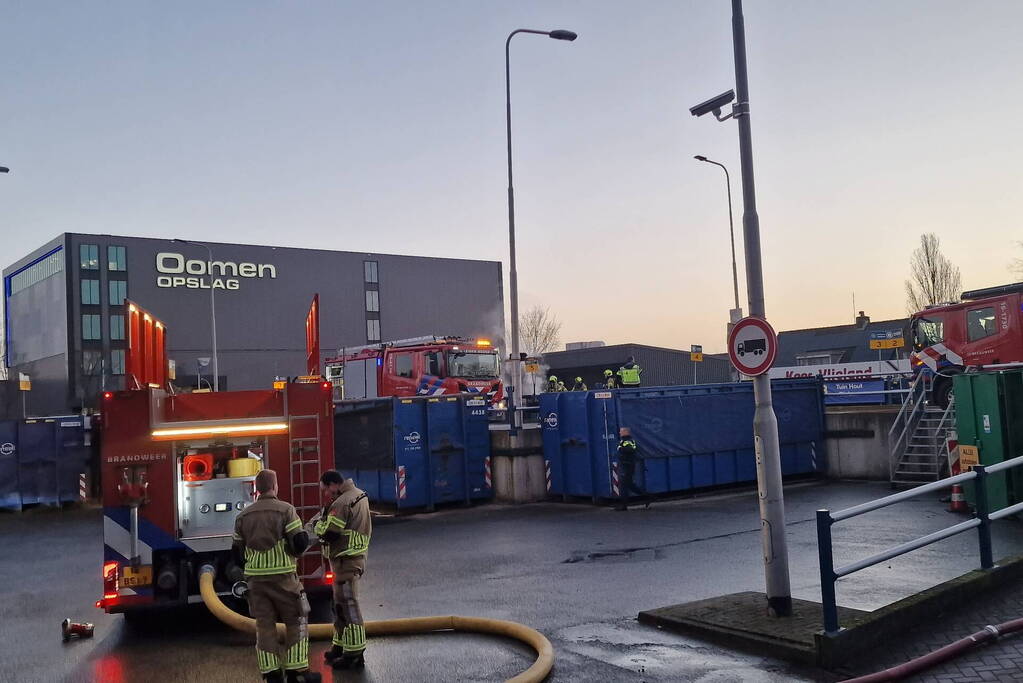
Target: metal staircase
917,438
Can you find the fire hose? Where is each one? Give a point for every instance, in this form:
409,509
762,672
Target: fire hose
397,627
950,651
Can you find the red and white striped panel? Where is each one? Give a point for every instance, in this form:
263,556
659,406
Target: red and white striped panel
547,473
401,491
486,473
615,488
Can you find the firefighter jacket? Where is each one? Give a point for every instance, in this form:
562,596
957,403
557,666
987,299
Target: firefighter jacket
629,374
344,526
264,535
579,386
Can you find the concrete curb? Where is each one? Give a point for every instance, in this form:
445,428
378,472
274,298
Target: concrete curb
739,620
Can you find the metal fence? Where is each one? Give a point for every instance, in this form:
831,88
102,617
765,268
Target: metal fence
981,522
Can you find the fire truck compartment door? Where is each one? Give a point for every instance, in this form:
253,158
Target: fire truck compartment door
360,378
209,508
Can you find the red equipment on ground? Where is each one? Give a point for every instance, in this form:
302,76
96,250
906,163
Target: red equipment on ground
178,468
984,330
422,366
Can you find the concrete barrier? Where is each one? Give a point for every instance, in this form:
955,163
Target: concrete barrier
518,466
856,439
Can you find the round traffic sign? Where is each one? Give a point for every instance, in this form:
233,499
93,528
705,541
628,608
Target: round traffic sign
752,346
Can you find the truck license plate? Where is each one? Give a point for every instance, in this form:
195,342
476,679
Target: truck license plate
132,577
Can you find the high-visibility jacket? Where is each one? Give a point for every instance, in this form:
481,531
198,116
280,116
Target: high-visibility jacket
263,531
630,376
581,386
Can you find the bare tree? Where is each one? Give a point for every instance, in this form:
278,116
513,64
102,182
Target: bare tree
540,330
1016,266
933,279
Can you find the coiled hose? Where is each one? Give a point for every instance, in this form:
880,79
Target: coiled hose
950,651
397,627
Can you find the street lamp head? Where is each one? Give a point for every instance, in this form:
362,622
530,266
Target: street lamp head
699,157
4,169
561,34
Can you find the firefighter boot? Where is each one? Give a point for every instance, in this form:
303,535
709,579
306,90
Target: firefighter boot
350,660
274,677
332,654
306,676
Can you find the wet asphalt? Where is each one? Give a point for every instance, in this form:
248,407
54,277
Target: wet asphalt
578,573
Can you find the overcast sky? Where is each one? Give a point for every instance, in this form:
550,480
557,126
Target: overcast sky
379,126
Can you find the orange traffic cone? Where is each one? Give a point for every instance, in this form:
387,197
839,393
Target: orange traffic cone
958,503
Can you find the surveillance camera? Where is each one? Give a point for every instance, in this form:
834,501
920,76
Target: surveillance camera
713,104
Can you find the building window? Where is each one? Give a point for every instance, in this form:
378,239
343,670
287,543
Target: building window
117,362
118,291
815,359
371,271
117,327
90,292
116,258
91,328
980,323
92,362
373,330
37,272
89,254
372,301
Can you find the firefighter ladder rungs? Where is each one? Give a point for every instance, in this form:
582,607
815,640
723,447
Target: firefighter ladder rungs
917,439
299,449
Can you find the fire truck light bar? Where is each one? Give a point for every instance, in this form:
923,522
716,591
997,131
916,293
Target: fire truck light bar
225,429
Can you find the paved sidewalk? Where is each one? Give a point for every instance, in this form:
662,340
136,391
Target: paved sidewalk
999,661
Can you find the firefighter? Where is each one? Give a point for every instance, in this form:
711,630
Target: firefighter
579,385
561,386
553,384
609,379
343,528
628,456
268,536
629,373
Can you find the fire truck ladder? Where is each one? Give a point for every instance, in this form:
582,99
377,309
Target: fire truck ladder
305,474
917,438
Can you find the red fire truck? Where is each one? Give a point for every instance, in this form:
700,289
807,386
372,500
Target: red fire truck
422,366
984,330
177,469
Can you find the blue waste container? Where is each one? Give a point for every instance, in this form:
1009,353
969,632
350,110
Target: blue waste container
690,437
415,452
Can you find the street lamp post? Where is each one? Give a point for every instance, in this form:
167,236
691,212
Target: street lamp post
735,315
765,423
513,278
213,311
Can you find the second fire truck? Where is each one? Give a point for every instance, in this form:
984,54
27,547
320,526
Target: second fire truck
421,366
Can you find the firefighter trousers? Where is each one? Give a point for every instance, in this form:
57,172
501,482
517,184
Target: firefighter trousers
349,628
280,598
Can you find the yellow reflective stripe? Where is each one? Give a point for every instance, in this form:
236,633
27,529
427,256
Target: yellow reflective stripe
236,537
276,560
353,639
268,661
358,543
292,525
297,656
335,521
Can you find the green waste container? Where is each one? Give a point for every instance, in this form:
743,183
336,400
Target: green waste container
989,415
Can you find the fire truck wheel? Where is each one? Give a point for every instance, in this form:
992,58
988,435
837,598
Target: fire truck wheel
942,393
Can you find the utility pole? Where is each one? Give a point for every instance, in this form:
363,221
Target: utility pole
765,423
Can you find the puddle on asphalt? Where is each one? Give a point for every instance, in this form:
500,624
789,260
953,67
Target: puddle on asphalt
666,656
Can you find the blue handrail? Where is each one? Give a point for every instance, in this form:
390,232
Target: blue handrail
981,521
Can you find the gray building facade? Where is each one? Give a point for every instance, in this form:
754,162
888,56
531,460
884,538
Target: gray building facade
64,318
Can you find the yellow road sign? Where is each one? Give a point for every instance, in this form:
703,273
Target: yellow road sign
968,457
887,343
532,368
696,357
